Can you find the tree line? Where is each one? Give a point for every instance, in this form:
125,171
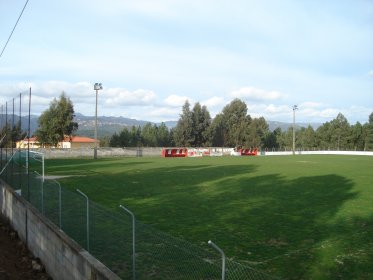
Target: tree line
234,127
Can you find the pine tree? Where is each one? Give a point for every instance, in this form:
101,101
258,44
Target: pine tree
369,134
201,125
236,122
183,133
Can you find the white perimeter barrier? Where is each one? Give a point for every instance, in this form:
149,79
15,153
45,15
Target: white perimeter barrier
351,153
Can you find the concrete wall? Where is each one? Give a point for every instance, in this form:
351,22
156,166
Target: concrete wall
62,257
112,152
157,152
101,152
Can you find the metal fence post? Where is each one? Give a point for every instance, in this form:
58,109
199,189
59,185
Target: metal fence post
59,203
133,241
222,258
42,195
83,194
42,191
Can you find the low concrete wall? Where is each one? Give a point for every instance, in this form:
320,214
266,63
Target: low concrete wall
101,152
351,153
62,257
157,152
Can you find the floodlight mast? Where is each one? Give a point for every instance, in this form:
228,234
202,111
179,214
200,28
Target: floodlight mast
96,87
295,107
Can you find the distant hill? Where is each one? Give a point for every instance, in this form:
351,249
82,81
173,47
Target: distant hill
285,126
24,121
107,126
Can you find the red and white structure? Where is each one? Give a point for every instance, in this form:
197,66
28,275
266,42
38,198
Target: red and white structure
213,151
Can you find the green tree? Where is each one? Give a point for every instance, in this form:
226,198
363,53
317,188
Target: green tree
114,140
149,135
172,137
135,137
357,137
306,138
56,122
218,131
285,139
324,136
124,138
340,132
183,133
163,136
257,133
201,126
236,122
369,134
206,127
271,141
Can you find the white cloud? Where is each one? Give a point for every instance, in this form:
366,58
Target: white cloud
275,109
311,104
215,101
328,113
82,94
160,114
256,94
270,112
121,97
370,73
177,100
145,104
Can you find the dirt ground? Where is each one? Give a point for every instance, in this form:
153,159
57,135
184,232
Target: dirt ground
16,262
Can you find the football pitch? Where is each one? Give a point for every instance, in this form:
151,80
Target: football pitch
295,217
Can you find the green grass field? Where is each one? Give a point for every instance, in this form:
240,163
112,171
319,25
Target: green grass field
296,217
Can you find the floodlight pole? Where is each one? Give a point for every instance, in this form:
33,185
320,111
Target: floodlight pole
97,87
295,107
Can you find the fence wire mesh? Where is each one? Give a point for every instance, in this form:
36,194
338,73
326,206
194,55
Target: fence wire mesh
107,235
132,251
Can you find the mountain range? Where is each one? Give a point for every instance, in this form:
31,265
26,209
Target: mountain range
107,126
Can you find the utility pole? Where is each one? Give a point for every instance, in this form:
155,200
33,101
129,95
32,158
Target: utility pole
97,87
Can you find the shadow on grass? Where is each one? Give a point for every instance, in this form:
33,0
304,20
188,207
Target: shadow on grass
285,227
86,166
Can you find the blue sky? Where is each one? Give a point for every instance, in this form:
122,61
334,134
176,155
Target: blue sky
152,55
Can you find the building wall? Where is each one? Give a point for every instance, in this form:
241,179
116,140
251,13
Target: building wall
83,152
82,145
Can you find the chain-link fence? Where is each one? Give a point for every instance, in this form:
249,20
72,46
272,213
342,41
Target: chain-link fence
14,130
131,249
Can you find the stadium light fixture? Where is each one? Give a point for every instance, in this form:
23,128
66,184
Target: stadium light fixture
295,107
96,87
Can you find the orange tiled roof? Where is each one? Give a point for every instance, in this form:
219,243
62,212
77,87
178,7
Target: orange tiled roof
32,139
73,139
